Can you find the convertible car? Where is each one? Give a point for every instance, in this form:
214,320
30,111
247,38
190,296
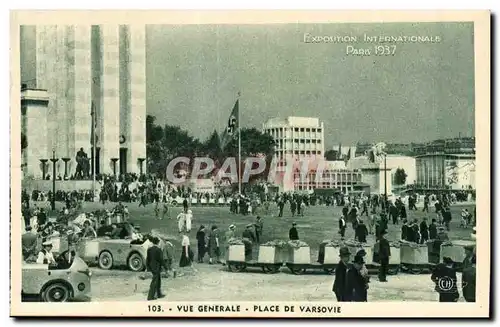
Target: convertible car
66,280
109,253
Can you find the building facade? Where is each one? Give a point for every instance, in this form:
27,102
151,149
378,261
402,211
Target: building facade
300,137
296,138
461,145
84,67
446,171
333,176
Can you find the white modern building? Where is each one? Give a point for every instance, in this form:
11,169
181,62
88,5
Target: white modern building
295,137
80,66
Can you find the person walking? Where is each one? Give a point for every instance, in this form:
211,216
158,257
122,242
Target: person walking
384,256
469,278
259,226
201,242
293,234
186,254
154,263
424,231
357,283
214,245
342,227
340,283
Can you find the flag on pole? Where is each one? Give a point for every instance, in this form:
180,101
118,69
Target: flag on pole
232,126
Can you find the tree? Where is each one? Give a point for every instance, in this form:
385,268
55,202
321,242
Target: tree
166,143
212,146
253,143
400,176
331,155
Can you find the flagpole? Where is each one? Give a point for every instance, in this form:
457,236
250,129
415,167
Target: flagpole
93,150
239,147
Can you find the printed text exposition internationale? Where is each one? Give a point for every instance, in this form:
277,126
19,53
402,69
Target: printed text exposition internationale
365,38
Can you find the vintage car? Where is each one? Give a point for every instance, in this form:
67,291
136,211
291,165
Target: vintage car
108,252
66,280
178,200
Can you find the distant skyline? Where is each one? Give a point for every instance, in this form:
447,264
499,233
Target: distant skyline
424,92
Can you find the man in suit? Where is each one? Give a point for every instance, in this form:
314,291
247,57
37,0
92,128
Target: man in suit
293,234
424,231
342,227
445,278
340,283
361,232
469,278
384,253
433,230
259,226
357,284
154,263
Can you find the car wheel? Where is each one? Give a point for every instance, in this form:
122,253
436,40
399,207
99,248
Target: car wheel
135,262
105,260
57,292
174,203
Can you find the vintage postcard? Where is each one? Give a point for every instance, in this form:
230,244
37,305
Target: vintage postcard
250,163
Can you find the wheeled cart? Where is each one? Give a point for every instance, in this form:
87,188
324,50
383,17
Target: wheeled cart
270,259
415,258
299,259
456,251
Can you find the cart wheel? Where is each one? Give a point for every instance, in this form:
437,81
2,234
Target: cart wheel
236,267
394,271
330,271
297,271
270,269
416,270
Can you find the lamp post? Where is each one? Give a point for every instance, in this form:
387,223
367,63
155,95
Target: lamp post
53,160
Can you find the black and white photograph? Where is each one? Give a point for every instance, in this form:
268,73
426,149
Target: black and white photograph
213,165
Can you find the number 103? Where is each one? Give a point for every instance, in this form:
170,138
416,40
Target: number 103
385,50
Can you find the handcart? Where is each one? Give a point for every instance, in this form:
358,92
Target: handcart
299,258
415,258
456,251
434,248
270,259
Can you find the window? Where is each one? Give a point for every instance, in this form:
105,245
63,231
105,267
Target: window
296,129
301,129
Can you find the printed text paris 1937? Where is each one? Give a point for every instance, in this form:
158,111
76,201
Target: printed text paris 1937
372,45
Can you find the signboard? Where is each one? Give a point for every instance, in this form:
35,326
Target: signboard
203,186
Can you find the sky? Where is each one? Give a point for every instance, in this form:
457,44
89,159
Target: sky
424,92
